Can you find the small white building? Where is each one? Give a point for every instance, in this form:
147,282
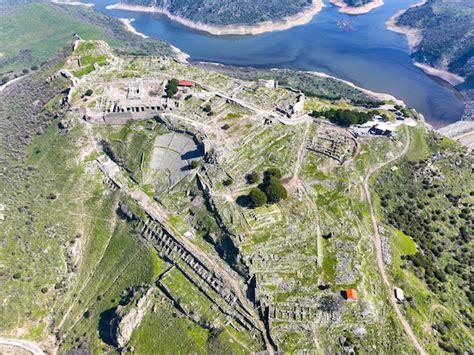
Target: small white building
270,84
399,294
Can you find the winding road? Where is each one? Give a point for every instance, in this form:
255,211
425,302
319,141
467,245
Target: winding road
378,245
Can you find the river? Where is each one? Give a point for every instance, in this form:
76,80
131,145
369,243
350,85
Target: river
370,56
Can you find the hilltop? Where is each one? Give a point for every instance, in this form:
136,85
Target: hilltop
129,186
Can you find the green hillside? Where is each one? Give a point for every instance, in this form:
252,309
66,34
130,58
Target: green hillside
448,35
228,12
32,34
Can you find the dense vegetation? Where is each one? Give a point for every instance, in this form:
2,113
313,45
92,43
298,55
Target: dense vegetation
448,39
430,198
228,12
312,85
46,28
344,117
356,3
271,189
172,88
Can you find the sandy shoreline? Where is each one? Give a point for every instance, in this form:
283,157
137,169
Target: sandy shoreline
359,10
128,25
378,95
286,23
414,37
180,55
74,3
451,78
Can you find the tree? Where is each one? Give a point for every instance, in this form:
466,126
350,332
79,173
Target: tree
172,88
207,108
228,182
273,172
274,190
88,92
257,198
195,164
252,177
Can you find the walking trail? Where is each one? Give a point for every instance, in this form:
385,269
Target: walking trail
378,245
27,345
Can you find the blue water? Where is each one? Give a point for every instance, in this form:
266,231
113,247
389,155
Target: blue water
371,57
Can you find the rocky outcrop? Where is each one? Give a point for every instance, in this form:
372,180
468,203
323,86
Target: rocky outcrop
131,317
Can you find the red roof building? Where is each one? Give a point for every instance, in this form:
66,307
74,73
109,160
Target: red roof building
188,84
351,294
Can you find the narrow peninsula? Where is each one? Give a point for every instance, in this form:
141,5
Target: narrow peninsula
357,7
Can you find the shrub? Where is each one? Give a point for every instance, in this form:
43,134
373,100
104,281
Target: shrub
195,164
344,117
273,172
257,198
252,177
274,190
172,88
34,67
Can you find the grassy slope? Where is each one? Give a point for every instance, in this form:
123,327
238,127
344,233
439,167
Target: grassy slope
41,29
439,310
32,34
448,38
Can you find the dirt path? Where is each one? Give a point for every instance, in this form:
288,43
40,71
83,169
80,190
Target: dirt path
27,345
378,245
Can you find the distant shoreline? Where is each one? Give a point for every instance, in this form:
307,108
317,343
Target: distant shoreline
299,19
73,3
180,55
356,10
128,25
414,37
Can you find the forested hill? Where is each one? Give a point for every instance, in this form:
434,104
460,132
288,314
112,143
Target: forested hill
228,12
448,35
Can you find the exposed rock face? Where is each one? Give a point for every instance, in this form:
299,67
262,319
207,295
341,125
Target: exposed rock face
131,320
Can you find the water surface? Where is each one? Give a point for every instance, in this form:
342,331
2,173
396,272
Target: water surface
371,56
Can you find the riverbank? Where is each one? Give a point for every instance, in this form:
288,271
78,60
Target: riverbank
127,22
414,37
358,10
74,3
180,55
451,78
377,95
286,23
